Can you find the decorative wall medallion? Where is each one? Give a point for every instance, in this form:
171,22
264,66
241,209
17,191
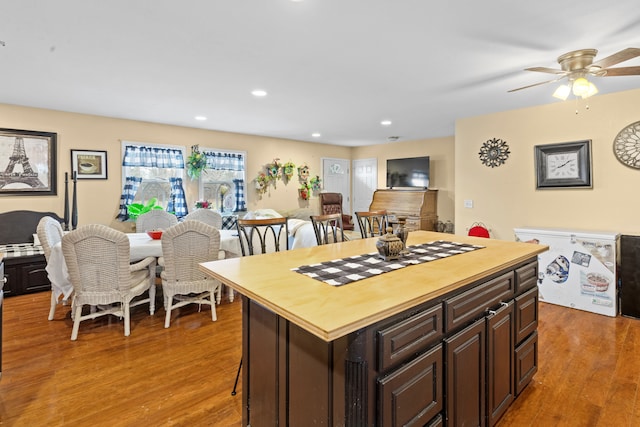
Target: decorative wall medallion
626,145
494,152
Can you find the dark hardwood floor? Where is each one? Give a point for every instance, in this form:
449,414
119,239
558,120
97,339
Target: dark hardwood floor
182,376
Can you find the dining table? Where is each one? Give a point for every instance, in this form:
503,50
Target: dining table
142,246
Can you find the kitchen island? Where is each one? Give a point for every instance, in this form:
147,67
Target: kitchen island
447,342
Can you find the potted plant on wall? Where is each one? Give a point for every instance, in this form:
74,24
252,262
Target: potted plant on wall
262,181
196,163
304,191
289,169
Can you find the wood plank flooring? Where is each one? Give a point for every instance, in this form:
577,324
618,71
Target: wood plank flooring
182,376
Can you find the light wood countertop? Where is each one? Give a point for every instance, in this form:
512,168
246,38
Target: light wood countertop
330,312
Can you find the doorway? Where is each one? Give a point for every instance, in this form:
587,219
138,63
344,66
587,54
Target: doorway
365,182
336,177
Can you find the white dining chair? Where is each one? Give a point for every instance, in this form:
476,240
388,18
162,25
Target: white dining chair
98,260
184,247
207,216
156,219
49,232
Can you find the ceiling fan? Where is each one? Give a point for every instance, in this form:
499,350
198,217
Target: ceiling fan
577,65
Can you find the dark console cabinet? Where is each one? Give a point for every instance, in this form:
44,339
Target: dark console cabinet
25,274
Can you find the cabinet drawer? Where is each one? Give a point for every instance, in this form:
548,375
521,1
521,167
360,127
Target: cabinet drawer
526,277
526,314
35,278
526,361
409,336
412,395
472,303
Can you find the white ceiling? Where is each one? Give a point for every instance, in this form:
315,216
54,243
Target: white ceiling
337,67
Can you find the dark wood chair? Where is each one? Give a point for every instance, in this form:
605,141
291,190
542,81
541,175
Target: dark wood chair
372,223
328,228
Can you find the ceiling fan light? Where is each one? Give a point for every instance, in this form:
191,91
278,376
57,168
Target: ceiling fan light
581,87
592,90
562,92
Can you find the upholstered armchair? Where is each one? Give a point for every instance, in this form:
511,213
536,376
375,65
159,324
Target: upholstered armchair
331,203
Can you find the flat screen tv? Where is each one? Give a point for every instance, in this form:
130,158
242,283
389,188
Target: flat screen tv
409,172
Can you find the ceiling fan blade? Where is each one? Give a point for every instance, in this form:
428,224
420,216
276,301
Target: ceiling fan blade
623,71
546,70
616,58
537,84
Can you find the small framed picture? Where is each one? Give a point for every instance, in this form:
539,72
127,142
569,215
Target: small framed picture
565,165
89,164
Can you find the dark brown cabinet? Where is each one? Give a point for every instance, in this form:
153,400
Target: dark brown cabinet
466,381
500,362
457,360
25,275
412,394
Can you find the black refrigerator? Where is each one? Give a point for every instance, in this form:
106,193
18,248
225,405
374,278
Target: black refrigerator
629,276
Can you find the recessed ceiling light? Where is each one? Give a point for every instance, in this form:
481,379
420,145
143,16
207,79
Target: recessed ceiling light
201,118
316,135
259,93
386,123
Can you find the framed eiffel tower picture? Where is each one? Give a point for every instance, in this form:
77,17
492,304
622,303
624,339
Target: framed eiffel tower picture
27,163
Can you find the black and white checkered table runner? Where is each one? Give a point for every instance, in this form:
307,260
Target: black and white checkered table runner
347,270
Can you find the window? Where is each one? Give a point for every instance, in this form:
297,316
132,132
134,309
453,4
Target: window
223,183
152,171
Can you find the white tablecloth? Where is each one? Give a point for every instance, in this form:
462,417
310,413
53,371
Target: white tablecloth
142,246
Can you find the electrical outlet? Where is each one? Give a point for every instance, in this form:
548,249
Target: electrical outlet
468,203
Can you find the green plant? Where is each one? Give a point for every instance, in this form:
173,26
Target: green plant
196,163
134,210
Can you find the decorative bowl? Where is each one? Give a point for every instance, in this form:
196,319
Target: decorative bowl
155,234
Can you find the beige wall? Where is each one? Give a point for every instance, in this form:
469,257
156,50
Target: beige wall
98,199
506,197
441,167
503,198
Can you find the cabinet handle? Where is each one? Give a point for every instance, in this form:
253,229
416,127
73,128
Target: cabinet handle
4,280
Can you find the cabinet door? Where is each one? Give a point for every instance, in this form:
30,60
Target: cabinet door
500,364
465,376
412,394
526,361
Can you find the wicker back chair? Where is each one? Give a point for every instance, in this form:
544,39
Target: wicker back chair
98,261
372,223
156,219
184,246
328,228
50,233
207,216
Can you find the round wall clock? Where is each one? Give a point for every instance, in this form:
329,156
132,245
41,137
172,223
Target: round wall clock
494,152
626,145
